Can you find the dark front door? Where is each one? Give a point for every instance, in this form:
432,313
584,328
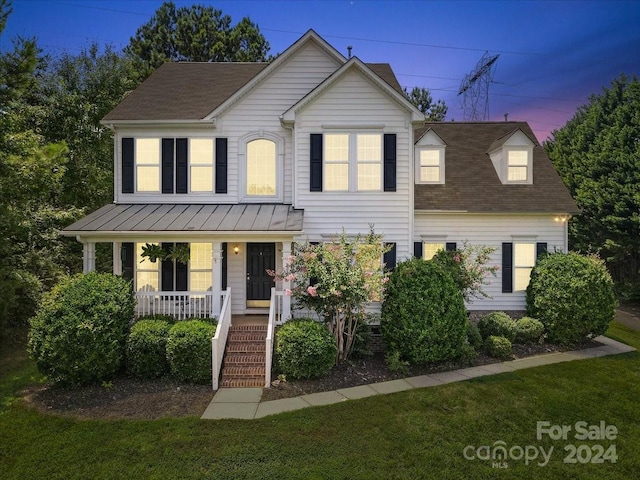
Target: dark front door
260,258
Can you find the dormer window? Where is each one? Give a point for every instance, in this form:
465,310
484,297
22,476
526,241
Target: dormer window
517,165
429,155
512,157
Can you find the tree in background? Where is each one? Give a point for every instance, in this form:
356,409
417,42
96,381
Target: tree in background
597,154
199,34
422,99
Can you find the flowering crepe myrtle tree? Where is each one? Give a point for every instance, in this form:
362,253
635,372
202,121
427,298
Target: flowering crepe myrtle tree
469,269
337,280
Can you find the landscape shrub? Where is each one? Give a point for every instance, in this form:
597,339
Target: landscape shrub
305,349
189,350
362,342
498,347
529,330
497,324
572,295
468,354
423,314
79,334
473,336
147,348
170,319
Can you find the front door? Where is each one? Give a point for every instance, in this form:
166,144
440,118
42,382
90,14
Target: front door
260,258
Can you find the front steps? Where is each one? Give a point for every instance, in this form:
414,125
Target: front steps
244,357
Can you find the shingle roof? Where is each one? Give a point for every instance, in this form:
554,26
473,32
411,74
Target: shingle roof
184,91
472,184
164,217
192,90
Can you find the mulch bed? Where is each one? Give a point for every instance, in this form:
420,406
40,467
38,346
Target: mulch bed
126,397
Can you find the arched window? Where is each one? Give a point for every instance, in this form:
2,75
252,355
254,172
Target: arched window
261,168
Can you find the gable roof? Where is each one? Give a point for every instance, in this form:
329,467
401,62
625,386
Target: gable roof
472,184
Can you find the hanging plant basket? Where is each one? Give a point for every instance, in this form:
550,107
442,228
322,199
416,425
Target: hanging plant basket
153,252
180,253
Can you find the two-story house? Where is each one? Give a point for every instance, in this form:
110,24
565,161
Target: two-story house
241,160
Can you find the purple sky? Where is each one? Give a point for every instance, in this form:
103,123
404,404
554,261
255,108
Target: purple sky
553,54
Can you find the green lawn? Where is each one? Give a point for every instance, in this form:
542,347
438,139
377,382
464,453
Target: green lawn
413,434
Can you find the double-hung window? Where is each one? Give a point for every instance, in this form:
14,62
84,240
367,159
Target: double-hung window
524,258
200,267
517,165
261,168
201,164
431,248
430,169
147,272
353,162
147,164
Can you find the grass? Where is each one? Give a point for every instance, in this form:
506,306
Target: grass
414,434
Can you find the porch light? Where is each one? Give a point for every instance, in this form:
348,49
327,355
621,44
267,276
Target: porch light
236,250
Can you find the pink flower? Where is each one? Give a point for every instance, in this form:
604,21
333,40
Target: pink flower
287,292
456,258
312,291
290,277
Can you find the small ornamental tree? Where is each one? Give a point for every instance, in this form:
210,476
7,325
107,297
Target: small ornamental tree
337,280
468,267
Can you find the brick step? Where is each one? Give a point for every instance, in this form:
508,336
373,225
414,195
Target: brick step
242,382
242,371
248,328
245,348
243,359
235,337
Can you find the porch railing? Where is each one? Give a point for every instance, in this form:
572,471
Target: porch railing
219,341
179,305
275,316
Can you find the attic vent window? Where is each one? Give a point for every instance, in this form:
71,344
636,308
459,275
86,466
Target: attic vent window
518,165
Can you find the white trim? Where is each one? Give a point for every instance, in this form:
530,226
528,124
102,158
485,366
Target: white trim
242,167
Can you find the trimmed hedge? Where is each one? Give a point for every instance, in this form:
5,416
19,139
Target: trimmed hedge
473,336
529,330
572,295
423,314
498,347
147,349
305,349
189,350
79,334
497,324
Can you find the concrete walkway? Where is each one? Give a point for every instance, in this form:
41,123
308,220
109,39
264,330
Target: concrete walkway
244,403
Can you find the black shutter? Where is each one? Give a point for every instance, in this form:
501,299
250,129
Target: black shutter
389,162
224,266
166,270
451,246
417,249
127,258
541,247
315,167
390,257
221,165
181,274
182,156
127,165
167,165
313,280
507,267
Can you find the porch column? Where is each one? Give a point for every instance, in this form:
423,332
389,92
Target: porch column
88,257
286,299
217,276
117,258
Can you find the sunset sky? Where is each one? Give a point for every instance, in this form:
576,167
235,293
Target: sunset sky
553,54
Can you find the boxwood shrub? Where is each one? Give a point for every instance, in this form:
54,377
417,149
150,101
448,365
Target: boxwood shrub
529,330
423,314
498,347
572,295
79,334
474,338
147,349
498,324
305,349
189,350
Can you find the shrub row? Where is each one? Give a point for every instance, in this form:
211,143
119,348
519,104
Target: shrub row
305,349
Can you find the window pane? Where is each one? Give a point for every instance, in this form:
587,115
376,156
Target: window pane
201,179
261,167
524,254
369,148
429,157
201,151
517,174
518,157
336,148
430,249
148,151
369,176
147,273
336,177
200,281
522,276
429,174
148,179
200,256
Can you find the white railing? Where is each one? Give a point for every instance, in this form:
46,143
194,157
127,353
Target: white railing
275,316
179,305
219,341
